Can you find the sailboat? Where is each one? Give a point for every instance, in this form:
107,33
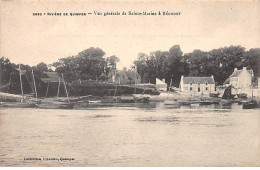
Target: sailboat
227,97
142,98
57,104
24,103
251,104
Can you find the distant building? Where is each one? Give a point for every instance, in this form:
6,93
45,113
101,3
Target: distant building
51,77
240,79
197,85
124,77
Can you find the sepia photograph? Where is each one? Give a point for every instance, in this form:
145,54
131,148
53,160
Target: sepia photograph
133,83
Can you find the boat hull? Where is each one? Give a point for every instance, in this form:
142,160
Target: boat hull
19,105
249,105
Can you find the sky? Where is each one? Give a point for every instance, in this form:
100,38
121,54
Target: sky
201,25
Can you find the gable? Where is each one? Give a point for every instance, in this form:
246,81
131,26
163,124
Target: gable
238,72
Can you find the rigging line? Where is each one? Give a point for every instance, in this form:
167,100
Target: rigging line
29,83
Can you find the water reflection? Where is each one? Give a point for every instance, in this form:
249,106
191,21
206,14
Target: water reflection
131,135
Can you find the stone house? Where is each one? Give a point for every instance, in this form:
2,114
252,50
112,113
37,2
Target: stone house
197,85
124,77
240,79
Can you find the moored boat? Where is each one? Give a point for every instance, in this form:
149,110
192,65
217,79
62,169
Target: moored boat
55,105
227,98
127,99
142,99
171,102
214,94
250,104
242,95
226,102
19,104
206,102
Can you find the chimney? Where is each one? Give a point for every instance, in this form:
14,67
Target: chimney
163,80
244,69
212,77
235,69
182,77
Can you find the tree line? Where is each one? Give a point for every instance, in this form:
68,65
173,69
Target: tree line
91,64
220,63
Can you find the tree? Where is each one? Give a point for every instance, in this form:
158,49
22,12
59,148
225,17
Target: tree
42,67
88,64
112,61
252,60
173,65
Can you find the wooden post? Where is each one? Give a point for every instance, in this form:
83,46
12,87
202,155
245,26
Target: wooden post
21,79
34,85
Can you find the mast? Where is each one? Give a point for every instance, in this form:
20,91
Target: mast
9,83
252,88
170,84
47,89
21,79
34,85
115,91
135,73
169,89
65,87
58,88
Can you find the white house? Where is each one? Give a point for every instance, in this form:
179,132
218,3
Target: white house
197,85
240,79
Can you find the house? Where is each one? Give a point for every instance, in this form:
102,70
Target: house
51,77
124,77
240,79
197,85
53,83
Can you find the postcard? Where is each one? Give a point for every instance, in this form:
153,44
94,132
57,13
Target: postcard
133,83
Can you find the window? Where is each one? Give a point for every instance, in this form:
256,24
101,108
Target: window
199,89
234,79
190,88
206,88
206,83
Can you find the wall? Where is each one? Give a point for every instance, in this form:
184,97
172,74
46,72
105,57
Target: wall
210,88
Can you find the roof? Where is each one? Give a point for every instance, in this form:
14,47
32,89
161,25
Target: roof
238,72
129,74
227,81
51,77
197,80
132,74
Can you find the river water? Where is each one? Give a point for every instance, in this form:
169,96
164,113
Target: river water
131,135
